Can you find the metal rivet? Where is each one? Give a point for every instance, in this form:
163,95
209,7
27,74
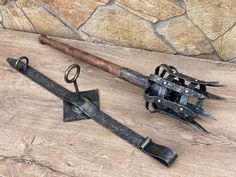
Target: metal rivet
158,100
165,83
186,91
145,142
181,109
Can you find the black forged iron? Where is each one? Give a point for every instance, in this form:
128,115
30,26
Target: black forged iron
166,91
83,105
169,93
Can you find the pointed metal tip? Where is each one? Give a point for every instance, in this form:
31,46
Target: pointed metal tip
211,117
201,127
215,97
220,98
11,62
206,114
212,84
196,125
205,131
217,85
221,85
8,60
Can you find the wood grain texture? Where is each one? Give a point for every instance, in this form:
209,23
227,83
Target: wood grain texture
34,141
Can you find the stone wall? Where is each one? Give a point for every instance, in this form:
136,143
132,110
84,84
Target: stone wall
200,28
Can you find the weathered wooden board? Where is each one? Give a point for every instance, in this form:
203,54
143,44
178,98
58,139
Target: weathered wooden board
34,141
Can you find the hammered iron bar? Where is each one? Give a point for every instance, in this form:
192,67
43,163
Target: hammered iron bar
84,105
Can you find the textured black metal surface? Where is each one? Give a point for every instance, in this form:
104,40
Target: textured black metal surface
80,103
166,92
72,113
178,95
134,77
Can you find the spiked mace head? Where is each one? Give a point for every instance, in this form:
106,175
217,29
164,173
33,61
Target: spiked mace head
178,95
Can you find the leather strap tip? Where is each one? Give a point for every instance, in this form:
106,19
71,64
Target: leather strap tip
161,153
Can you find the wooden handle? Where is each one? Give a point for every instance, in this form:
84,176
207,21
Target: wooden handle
81,55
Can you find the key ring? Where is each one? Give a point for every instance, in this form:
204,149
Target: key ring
20,60
74,79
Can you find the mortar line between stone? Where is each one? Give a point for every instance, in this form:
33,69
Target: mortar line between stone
62,21
97,40
82,24
152,24
225,32
160,21
207,38
115,4
233,60
164,40
26,17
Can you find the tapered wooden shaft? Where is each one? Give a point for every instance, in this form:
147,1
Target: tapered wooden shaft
118,71
84,56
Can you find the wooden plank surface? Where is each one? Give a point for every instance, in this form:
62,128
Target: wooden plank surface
34,141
